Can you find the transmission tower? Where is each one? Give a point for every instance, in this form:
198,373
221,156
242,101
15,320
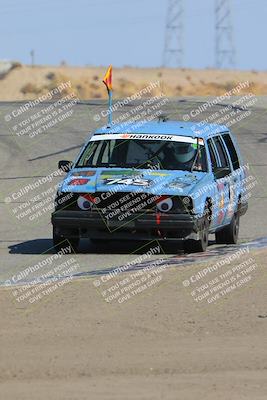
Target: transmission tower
224,46
173,48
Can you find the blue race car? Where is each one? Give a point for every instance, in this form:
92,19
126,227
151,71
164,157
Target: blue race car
165,180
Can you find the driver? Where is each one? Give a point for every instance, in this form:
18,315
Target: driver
182,155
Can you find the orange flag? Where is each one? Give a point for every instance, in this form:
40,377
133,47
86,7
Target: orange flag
108,78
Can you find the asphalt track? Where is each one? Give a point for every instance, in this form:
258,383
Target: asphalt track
25,160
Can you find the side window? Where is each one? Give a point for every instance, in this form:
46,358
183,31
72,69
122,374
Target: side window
212,155
222,154
231,149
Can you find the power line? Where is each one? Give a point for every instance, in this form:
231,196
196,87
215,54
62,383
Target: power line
173,48
224,43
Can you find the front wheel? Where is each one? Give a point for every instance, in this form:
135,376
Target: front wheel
229,234
195,246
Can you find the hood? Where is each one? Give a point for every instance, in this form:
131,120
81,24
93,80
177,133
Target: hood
158,182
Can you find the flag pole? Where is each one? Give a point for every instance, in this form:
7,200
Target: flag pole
110,108
108,82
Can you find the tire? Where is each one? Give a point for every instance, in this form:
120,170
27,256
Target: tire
60,242
229,234
195,246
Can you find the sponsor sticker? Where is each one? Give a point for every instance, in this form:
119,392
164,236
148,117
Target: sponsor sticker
128,181
141,136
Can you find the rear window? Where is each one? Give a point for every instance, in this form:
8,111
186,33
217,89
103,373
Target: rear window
232,151
221,151
212,155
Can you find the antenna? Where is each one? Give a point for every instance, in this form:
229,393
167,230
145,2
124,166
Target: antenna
224,45
173,48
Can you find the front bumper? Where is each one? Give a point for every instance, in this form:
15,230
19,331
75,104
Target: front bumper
91,224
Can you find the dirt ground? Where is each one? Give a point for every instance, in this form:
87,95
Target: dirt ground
161,344
25,82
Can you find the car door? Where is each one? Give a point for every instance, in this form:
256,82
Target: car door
223,192
235,179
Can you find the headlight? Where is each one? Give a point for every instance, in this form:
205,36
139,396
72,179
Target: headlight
175,204
85,202
165,204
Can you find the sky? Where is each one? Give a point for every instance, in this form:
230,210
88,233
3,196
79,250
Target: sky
125,32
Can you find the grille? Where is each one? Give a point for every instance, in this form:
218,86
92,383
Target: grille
122,202
126,201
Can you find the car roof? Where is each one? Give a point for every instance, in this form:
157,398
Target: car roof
180,128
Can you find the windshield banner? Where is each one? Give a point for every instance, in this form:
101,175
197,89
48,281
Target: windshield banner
146,136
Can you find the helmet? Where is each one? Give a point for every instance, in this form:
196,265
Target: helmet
185,152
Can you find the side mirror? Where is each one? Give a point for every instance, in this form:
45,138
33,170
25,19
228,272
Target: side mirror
221,172
65,165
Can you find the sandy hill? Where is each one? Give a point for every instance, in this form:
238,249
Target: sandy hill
24,82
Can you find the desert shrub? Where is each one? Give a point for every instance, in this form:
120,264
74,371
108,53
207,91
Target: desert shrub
51,76
30,88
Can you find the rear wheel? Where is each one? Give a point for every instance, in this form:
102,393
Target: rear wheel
61,243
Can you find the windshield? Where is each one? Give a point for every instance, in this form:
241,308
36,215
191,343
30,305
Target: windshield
136,153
